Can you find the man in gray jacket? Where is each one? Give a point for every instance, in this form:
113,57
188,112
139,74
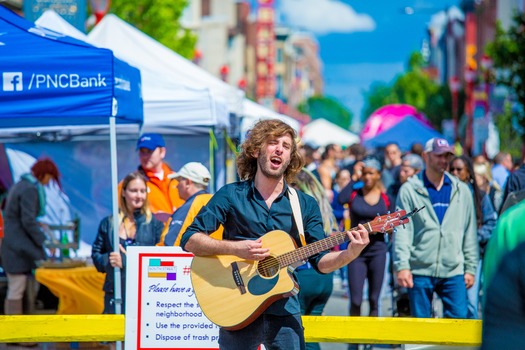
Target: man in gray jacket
437,251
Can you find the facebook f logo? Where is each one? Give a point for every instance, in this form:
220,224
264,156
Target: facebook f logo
13,81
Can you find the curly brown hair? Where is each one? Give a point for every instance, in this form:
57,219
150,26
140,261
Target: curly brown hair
257,137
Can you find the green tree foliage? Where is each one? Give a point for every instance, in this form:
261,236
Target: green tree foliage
510,140
160,20
415,88
328,108
439,106
379,95
508,53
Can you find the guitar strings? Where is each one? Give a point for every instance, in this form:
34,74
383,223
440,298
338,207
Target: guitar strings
304,252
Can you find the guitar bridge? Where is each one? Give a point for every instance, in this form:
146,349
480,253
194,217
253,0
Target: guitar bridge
236,274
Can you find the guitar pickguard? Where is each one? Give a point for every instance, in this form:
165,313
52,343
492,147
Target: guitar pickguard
259,286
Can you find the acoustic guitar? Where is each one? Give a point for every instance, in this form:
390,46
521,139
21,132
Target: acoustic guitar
232,292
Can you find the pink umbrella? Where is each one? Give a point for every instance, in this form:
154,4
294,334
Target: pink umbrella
387,116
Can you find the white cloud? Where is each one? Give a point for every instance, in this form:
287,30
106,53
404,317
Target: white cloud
325,16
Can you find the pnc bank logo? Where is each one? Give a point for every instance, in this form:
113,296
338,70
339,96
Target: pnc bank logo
12,81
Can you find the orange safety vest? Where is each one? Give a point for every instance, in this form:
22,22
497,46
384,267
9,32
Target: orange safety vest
199,202
163,195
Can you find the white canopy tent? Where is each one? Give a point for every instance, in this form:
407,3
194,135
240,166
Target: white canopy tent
167,102
253,112
142,51
322,132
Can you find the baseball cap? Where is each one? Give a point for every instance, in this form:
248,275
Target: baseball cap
438,146
194,171
150,141
312,145
414,161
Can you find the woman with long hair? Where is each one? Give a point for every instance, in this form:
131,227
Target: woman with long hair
365,204
486,217
137,227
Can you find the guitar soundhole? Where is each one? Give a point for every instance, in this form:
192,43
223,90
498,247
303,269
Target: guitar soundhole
268,267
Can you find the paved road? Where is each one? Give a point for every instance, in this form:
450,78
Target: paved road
338,305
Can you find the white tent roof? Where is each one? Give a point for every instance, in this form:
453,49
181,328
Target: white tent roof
52,20
167,103
253,112
322,132
142,51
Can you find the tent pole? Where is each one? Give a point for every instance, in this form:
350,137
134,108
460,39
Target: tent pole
212,148
114,199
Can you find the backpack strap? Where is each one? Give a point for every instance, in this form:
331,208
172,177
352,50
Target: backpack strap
352,196
383,195
296,211
386,200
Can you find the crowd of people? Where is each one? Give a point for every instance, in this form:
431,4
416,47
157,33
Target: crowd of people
471,209
453,248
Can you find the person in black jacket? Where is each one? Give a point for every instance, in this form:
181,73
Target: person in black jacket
137,227
515,182
23,243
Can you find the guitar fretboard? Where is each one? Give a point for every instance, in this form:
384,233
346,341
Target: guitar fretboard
307,251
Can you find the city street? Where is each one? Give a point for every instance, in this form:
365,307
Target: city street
338,305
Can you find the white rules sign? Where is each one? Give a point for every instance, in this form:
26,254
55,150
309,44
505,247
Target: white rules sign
161,309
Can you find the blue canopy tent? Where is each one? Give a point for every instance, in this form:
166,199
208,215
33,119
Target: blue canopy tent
405,133
51,80
66,81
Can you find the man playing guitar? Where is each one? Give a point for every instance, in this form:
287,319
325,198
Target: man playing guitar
248,209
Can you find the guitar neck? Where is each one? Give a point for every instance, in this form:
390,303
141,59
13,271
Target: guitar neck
307,251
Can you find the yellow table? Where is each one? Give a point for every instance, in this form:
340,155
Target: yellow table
79,289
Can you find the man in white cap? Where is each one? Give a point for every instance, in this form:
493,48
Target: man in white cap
437,251
193,180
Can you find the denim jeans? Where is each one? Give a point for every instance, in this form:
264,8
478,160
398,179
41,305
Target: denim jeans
473,293
451,290
275,332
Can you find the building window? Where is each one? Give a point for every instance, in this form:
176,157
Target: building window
279,55
206,8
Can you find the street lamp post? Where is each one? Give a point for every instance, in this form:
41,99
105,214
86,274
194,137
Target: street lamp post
197,56
454,85
224,70
470,77
486,66
99,8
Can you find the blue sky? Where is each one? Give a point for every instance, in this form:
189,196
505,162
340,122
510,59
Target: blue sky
361,41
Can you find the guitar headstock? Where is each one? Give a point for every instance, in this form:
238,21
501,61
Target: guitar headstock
387,222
